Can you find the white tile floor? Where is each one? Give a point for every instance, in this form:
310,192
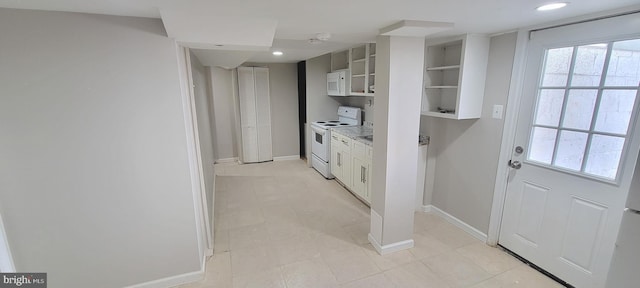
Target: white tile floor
281,224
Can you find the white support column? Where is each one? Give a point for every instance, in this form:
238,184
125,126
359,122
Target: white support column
399,76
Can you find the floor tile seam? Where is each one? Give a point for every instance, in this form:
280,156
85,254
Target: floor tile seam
433,273
311,260
280,243
334,273
491,275
427,257
344,283
279,273
500,251
360,278
324,256
382,270
440,277
476,283
514,268
447,247
395,264
475,263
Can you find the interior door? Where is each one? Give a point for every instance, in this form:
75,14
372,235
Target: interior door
248,118
575,148
263,113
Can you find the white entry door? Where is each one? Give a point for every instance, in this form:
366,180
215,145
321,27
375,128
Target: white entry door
575,148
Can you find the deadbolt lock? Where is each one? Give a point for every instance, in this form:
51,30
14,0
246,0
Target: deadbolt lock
519,149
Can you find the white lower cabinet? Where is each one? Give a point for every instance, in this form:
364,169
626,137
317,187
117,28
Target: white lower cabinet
336,153
351,164
341,158
361,176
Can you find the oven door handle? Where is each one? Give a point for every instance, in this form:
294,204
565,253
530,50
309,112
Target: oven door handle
319,130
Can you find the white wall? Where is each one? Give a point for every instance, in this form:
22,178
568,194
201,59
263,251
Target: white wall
226,142
466,151
204,113
95,177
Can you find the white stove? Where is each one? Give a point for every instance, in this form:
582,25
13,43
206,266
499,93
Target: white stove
330,124
321,137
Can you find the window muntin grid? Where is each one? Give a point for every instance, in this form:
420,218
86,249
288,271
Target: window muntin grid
585,103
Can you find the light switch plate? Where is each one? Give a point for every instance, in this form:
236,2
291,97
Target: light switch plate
497,111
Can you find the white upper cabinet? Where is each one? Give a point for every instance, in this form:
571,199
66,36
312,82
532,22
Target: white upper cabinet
454,78
363,72
361,62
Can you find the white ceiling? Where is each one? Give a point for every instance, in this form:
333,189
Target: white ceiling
248,24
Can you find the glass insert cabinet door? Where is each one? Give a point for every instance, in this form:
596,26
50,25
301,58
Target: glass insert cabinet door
587,97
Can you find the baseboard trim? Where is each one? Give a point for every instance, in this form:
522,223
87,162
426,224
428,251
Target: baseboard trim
390,248
286,158
227,160
171,281
427,208
175,280
458,223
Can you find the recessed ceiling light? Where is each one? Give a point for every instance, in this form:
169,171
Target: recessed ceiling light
277,53
552,6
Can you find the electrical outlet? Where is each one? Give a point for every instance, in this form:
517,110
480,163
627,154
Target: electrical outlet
497,111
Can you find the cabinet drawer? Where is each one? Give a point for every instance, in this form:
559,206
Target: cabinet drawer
369,152
336,138
346,141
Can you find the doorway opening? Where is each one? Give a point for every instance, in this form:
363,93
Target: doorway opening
302,106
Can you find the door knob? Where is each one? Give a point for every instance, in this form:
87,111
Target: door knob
515,164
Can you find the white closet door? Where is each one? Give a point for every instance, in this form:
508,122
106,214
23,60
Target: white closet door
246,94
263,114
249,145
255,114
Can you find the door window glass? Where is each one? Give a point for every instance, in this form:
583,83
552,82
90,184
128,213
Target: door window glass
585,103
549,107
556,68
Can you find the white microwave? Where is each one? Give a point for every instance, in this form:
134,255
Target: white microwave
338,83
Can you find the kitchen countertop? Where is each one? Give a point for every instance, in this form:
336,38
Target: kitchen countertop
356,132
